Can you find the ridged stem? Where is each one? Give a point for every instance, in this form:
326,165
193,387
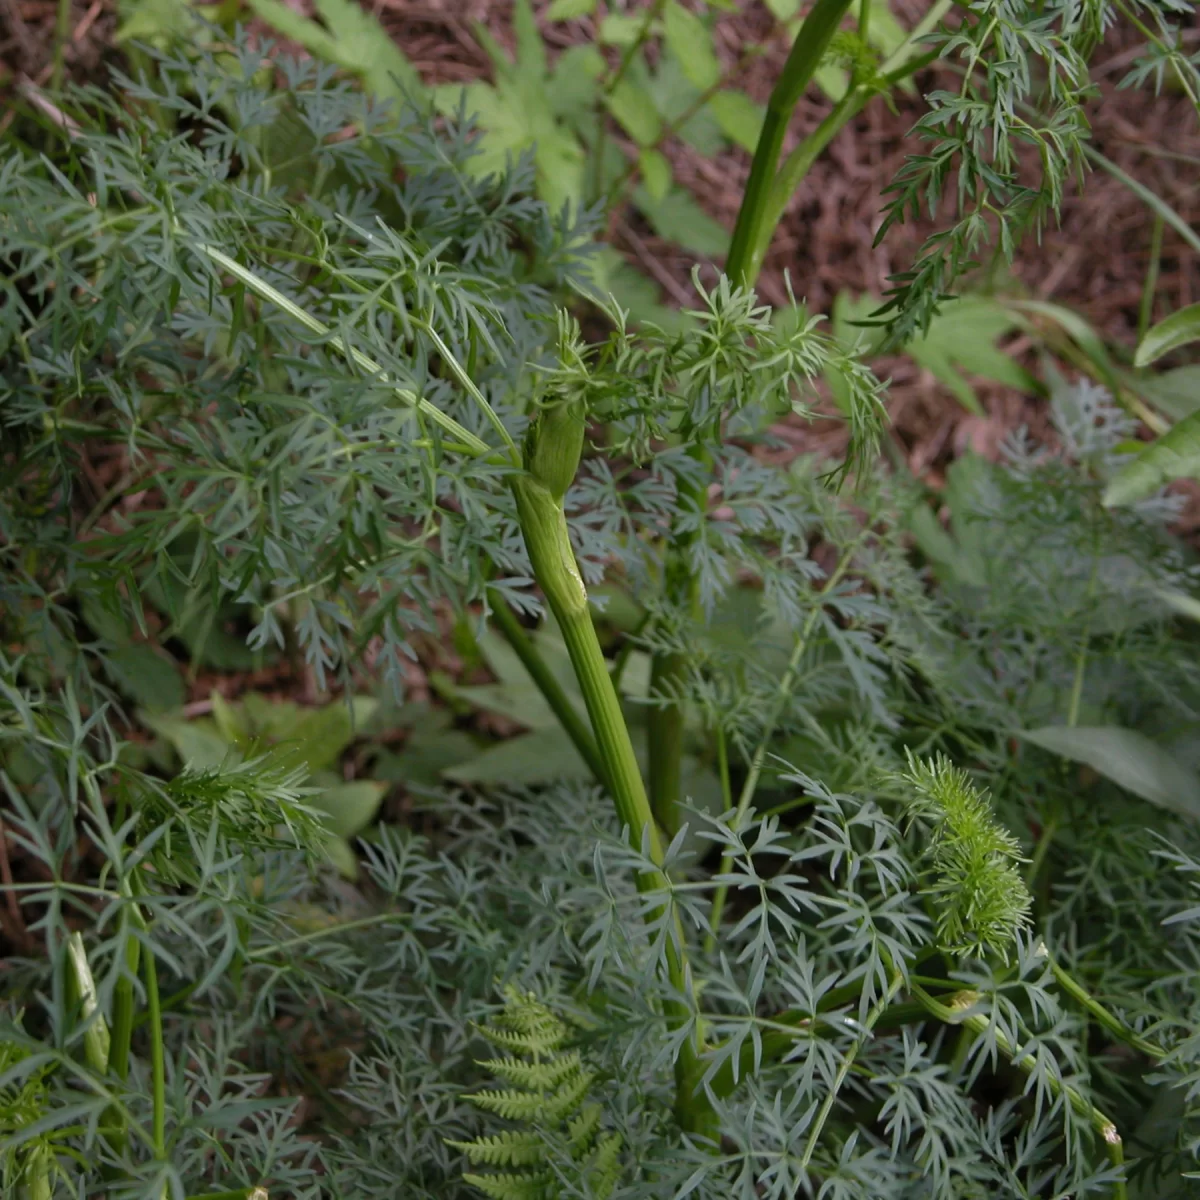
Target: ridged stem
1100,1014
551,456
808,49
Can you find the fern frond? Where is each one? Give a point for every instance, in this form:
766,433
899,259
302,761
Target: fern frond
582,1129
526,1025
549,1092
529,1186
536,1076
512,1148
606,1166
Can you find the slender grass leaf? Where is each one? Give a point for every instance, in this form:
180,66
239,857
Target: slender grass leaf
349,808
1181,602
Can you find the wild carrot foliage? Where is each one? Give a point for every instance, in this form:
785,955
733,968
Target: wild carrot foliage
890,940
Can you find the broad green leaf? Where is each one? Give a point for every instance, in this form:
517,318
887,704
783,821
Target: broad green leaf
198,743
517,115
739,117
160,22
348,808
961,341
1175,393
783,10
963,338
150,679
691,42
832,80
1084,334
1127,758
1181,602
675,95
885,32
573,82
633,290
320,735
634,108
1179,329
622,29
656,172
351,38
1175,455
531,50
678,218
341,856
231,721
425,756
544,756
314,737
566,10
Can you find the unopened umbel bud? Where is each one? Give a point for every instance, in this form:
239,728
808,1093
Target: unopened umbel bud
554,446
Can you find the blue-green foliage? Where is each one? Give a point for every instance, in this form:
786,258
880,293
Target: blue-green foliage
303,501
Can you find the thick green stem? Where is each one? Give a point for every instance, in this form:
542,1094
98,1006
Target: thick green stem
574,726
158,1079
808,49
62,31
959,1012
551,457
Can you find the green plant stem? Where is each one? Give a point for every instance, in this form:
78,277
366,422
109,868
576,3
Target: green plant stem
62,28
808,49
958,1012
610,85
782,695
552,691
800,161
818,1125
158,1078
1100,1014
1146,308
262,289
552,456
